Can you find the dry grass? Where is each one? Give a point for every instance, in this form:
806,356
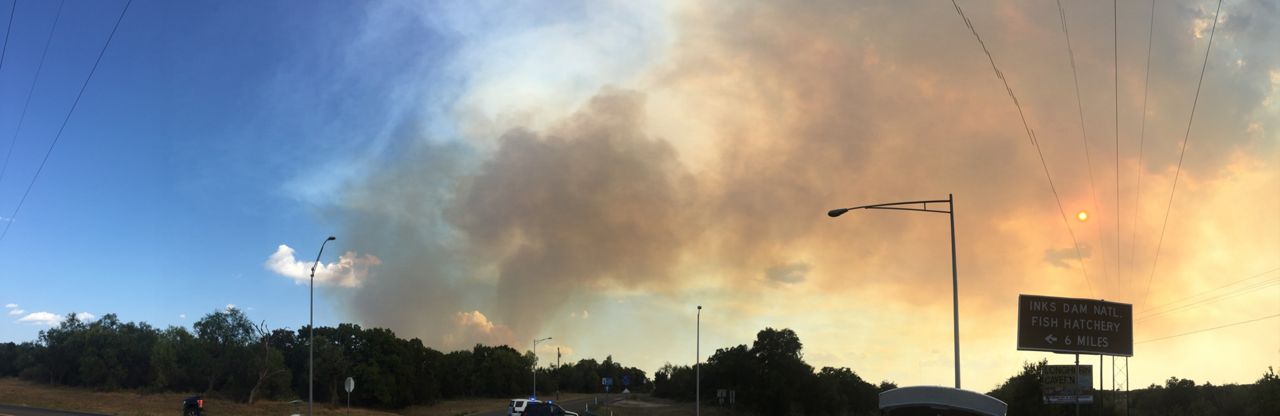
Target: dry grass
644,405
127,403
470,406
23,393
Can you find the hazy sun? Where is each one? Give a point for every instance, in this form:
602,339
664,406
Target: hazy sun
1082,216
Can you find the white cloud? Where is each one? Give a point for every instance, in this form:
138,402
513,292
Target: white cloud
182,316
351,269
231,306
86,316
41,318
474,327
11,305
17,311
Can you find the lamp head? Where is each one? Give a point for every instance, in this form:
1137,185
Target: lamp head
699,307
837,212
331,238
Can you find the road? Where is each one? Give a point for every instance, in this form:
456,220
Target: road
10,410
579,406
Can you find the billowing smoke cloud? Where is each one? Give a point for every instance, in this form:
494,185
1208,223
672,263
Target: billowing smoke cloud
715,168
473,327
593,202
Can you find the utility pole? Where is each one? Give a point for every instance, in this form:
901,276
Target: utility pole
311,337
557,370
955,280
1076,387
535,365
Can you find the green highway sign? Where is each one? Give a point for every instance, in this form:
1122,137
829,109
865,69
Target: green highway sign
1067,384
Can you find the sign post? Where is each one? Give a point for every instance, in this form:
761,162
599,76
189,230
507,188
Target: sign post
1074,326
349,385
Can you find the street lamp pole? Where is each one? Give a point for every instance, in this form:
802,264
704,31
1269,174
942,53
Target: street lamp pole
955,284
535,365
311,339
697,352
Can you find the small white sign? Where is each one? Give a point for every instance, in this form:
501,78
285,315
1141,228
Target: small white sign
350,384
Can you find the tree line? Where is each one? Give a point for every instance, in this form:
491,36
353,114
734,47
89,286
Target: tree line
225,354
771,378
1177,397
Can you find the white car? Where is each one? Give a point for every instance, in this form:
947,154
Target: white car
517,406
528,407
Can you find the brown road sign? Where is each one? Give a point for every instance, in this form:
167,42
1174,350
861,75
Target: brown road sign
1075,326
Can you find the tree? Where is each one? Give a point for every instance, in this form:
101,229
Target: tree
174,358
62,348
1264,399
1022,392
225,337
268,363
782,371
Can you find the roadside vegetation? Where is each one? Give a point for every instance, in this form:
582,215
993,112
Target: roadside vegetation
1176,397
118,367
226,356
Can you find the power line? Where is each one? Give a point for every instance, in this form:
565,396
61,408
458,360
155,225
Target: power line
57,136
7,30
1255,276
1247,289
1183,153
5,166
1209,329
1031,136
1084,138
1115,48
1142,135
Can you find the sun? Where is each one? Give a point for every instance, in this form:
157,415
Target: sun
1082,216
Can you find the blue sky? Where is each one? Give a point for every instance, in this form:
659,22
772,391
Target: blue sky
593,170
192,154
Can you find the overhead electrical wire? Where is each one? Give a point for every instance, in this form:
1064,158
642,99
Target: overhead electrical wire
4,50
4,167
1242,291
1031,136
1084,138
1115,48
1208,329
1142,135
1183,153
1255,276
63,127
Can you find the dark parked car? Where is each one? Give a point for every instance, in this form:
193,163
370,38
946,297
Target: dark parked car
193,406
546,409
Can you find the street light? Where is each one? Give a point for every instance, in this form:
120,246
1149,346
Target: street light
955,292
535,365
697,351
311,341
